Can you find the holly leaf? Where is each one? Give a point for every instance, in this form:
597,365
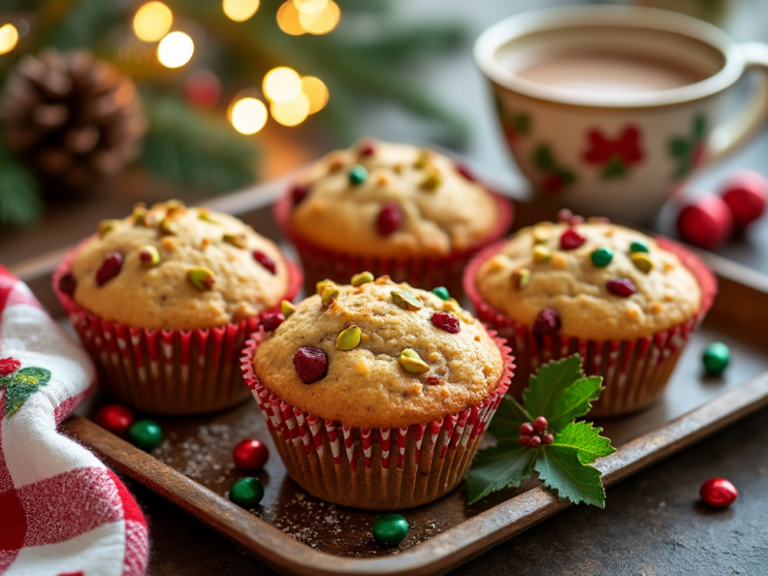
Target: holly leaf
508,419
522,124
574,401
543,158
560,469
614,169
699,126
679,148
586,440
551,380
20,385
505,465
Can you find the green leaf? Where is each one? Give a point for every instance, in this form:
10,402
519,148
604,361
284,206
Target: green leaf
505,465
551,380
586,440
615,169
679,148
523,124
574,401
699,126
20,203
561,470
543,157
508,419
20,385
566,176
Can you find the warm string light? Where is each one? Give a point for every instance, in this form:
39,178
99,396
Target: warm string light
310,6
281,84
175,50
296,17
316,92
248,115
152,21
240,10
9,36
323,21
288,19
291,113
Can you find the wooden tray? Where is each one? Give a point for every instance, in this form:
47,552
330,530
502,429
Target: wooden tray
298,534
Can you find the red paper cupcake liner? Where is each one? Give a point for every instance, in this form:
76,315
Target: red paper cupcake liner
320,263
375,468
634,372
179,372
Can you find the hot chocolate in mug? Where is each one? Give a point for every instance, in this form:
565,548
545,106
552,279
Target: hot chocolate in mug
609,109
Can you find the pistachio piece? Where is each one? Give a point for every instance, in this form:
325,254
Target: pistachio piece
204,215
431,181
172,206
521,278
140,215
642,262
201,278
320,286
406,299
237,240
541,234
422,161
287,308
329,295
541,254
106,226
149,256
168,227
411,362
349,339
362,278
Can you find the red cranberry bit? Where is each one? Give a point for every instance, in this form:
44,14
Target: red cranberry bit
68,284
527,429
109,268
310,363
547,438
570,240
434,380
540,424
271,321
389,219
547,322
565,215
8,366
265,261
367,148
623,287
525,439
464,171
298,193
534,442
446,321
718,493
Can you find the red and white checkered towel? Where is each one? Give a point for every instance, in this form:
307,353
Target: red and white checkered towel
62,512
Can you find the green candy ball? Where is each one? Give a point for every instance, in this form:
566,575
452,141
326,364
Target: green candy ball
442,293
246,492
357,175
716,358
145,434
638,246
390,529
601,257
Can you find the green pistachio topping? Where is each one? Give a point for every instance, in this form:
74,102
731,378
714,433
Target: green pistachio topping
237,240
642,262
431,181
601,257
349,339
638,246
521,278
422,161
204,215
357,175
441,292
201,278
406,299
541,254
287,308
149,256
107,226
173,205
412,362
541,234
329,295
140,215
320,286
168,227
362,278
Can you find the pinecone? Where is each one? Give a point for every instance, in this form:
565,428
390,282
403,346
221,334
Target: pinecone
72,118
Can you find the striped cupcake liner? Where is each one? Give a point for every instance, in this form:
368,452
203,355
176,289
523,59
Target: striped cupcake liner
320,263
635,372
375,468
175,372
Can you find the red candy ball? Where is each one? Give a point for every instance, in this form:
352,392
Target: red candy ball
310,364
271,321
110,268
570,240
367,148
114,417
745,194
250,455
446,321
389,219
547,322
718,493
623,287
706,223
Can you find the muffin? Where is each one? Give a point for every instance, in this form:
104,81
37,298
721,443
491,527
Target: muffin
624,301
164,300
393,209
377,394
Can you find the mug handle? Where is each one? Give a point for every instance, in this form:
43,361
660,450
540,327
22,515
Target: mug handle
728,137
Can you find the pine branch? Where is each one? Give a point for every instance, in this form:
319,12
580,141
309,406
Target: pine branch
20,203
193,150
68,24
399,40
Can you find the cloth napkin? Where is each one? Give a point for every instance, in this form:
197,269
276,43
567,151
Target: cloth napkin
62,512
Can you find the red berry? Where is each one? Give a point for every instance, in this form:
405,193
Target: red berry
271,321
265,261
534,442
547,438
623,287
718,493
434,380
576,220
109,268
527,429
706,223
446,321
540,424
311,364
525,439
570,240
298,193
565,215
8,366
464,171
202,89
389,219
114,417
547,322
250,455
367,148
68,283
745,194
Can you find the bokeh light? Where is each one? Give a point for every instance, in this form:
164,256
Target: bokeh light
248,115
310,6
175,50
9,36
152,21
322,22
292,112
281,84
240,10
288,19
316,93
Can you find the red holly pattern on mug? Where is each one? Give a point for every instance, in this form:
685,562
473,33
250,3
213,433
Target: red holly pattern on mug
615,156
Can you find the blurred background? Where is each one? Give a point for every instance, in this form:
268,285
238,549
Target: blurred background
200,97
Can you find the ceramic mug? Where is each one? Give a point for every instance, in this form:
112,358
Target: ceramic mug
621,155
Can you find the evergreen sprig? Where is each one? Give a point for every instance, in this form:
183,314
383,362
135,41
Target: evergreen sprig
20,203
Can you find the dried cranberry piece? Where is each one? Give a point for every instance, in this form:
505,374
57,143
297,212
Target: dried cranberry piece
310,363
570,240
623,287
446,321
265,261
434,380
389,219
110,268
298,193
68,284
8,366
565,215
271,321
367,148
464,171
547,322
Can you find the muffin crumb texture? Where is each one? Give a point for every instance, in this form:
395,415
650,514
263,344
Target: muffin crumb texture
379,354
